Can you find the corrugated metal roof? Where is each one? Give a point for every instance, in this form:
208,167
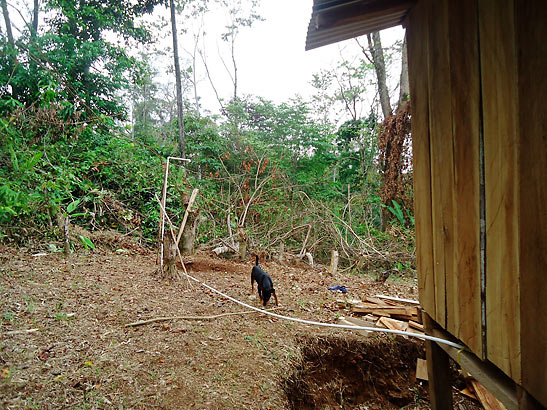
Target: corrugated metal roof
337,20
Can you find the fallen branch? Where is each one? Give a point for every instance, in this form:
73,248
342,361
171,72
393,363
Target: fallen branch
164,319
20,332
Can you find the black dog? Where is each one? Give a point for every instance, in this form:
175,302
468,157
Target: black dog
264,284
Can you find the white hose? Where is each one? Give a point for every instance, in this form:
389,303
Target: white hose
310,322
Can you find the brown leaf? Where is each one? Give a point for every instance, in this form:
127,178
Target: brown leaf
5,372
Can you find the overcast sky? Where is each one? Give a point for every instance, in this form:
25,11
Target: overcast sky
270,55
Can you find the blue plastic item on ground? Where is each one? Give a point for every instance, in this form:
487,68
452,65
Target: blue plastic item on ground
338,287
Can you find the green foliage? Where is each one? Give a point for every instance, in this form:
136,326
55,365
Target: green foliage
270,167
73,61
88,244
397,212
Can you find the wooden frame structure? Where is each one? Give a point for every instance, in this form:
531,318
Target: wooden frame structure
477,71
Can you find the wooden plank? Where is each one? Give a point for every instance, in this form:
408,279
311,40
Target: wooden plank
487,399
418,45
348,321
442,175
438,371
392,300
378,301
469,393
532,87
490,376
499,107
416,325
465,284
412,330
360,322
385,310
394,324
421,369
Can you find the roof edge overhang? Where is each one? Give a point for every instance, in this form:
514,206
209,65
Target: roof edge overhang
337,20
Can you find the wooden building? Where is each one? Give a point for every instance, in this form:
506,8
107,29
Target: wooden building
478,79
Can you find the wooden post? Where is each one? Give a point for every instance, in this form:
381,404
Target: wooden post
67,240
334,262
438,371
526,401
243,240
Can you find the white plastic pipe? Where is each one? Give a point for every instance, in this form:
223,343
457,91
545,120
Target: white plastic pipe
310,322
398,299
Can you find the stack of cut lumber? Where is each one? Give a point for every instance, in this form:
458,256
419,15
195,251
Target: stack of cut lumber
381,312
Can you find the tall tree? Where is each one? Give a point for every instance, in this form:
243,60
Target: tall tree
239,17
375,47
7,21
90,67
404,87
395,129
35,12
180,108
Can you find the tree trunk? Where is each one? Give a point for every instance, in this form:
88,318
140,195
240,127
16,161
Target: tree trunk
35,19
404,88
243,240
194,75
8,22
375,46
188,238
235,67
170,270
180,115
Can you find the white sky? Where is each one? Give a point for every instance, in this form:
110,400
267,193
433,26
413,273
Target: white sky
270,55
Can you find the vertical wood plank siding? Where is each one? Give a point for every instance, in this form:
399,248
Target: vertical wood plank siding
443,61
500,99
417,37
531,27
442,177
482,65
464,73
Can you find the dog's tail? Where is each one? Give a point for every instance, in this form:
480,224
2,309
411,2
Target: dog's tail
256,263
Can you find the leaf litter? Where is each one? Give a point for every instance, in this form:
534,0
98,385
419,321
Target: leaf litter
83,356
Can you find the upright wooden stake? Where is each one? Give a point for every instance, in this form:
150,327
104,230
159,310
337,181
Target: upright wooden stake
438,371
334,262
67,240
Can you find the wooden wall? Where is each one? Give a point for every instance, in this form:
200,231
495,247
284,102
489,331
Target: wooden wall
531,43
477,74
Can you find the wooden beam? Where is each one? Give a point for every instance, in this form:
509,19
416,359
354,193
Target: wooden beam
495,381
438,371
526,401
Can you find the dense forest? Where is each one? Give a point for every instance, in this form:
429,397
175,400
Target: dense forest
87,125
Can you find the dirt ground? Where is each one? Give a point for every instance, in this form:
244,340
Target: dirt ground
79,354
